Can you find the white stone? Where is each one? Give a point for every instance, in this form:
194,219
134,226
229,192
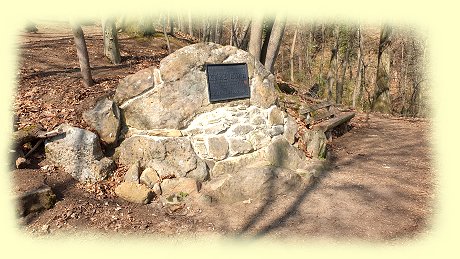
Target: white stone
238,146
216,146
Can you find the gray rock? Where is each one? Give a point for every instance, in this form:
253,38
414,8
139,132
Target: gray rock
199,146
263,92
259,139
184,82
276,130
105,119
232,165
201,173
178,185
275,116
164,107
79,153
217,146
134,85
167,155
132,175
281,154
149,177
316,143
240,129
290,129
259,183
238,146
156,189
257,120
134,192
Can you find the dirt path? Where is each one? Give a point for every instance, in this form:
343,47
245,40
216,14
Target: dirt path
379,185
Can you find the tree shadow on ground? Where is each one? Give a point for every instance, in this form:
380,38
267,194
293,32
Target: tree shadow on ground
385,198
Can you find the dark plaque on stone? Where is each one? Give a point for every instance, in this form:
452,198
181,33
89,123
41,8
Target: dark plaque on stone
227,81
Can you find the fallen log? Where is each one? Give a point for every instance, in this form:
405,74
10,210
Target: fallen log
34,133
334,122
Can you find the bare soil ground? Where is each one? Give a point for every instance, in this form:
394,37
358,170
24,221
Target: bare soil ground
379,185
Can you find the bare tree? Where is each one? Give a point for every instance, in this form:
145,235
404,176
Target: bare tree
218,29
190,24
255,41
111,47
358,86
166,34
82,53
345,61
274,44
291,56
381,98
333,63
266,39
245,37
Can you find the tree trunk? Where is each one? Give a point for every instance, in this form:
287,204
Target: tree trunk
232,31
180,22
111,47
345,61
166,35
245,39
82,53
190,24
218,30
332,72
274,44
263,51
291,56
255,41
381,98
171,24
307,56
358,85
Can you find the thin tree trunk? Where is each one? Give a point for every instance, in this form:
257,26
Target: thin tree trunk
291,56
282,63
166,35
320,76
218,30
255,41
82,53
332,73
232,31
190,24
299,61
263,51
345,61
234,35
171,24
245,39
358,85
180,22
381,92
111,47
275,42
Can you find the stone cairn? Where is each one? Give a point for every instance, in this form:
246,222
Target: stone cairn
176,143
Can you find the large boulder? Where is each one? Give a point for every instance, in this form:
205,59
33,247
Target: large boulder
136,84
105,119
183,81
236,150
168,156
79,153
256,183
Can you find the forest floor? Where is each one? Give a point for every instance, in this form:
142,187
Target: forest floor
379,183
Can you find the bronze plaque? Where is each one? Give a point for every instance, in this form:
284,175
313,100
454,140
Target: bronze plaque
227,81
